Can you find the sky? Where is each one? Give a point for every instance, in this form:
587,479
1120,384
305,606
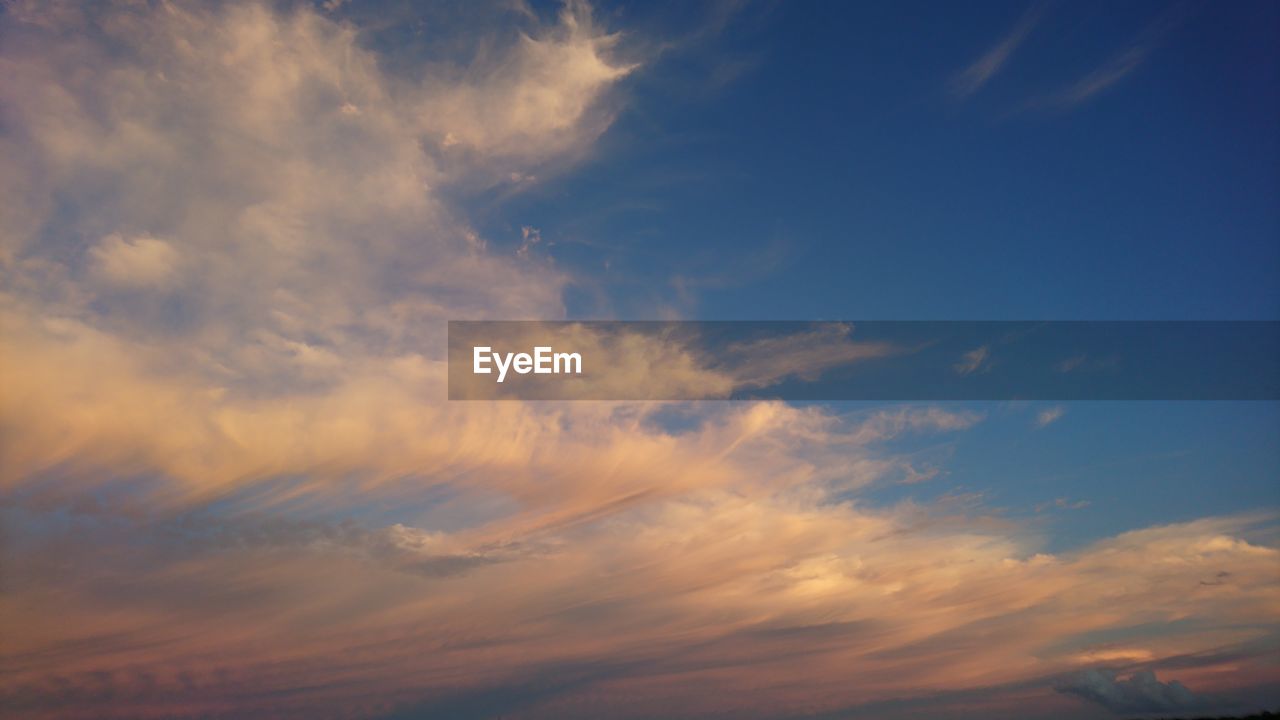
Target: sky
232,234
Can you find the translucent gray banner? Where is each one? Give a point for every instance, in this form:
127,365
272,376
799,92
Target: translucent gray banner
871,360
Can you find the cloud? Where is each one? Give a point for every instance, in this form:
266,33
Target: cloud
246,495
530,237
134,262
974,77
1108,74
974,361
537,100
321,253
887,424
912,476
1140,693
1123,63
730,591
1063,504
1050,415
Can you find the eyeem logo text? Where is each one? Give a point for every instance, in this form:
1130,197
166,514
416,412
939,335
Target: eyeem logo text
543,361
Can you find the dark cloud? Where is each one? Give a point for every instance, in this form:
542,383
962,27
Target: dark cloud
517,695
1140,693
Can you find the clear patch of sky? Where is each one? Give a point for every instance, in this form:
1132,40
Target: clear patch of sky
813,161
1101,468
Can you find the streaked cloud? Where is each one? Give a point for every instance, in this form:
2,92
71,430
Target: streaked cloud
1122,63
1106,75
976,360
974,77
731,593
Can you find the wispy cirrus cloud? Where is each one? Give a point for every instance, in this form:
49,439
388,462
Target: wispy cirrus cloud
1121,64
976,360
1106,75
988,65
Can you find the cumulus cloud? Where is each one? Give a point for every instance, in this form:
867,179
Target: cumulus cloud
1139,693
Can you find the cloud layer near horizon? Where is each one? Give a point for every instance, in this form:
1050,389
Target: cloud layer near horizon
233,486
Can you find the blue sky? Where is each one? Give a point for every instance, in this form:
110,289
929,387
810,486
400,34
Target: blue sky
805,162
817,163
1115,466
